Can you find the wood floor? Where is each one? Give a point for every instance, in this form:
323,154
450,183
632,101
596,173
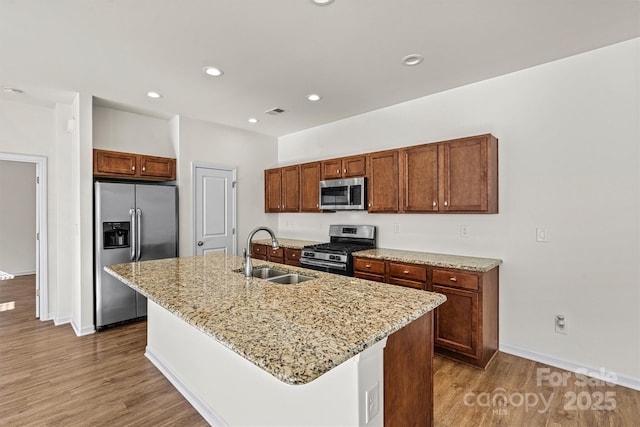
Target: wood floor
50,377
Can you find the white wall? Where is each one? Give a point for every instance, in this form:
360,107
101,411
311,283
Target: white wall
18,217
29,130
224,146
569,161
118,130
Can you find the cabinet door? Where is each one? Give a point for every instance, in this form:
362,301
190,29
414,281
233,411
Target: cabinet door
310,187
468,175
456,321
332,169
354,166
290,189
157,167
383,181
272,190
113,163
419,178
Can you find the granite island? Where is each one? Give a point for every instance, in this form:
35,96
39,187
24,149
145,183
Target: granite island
252,352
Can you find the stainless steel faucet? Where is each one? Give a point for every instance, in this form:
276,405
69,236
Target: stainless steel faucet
248,265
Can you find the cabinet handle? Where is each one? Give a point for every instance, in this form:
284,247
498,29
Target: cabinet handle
345,170
435,204
405,272
446,203
368,266
453,279
144,168
369,204
133,168
317,205
338,171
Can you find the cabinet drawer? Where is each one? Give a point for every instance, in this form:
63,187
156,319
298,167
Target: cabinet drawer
455,278
368,265
258,250
292,254
367,276
275,253
408,283
408,271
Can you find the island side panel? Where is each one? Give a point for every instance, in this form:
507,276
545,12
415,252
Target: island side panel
226,389
408,375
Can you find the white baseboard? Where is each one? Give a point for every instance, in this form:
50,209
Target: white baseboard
23,273
61,320
622,380
198,404
82,331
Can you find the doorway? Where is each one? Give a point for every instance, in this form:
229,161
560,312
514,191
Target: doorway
41,237
214,209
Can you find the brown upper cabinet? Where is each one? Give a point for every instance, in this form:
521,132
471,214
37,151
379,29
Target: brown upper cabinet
346,167
382,185
115,164
419,178
282,189
451,176
310,187
455,176
468,174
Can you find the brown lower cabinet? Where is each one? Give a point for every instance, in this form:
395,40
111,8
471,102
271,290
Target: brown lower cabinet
408,375
288,256
466,325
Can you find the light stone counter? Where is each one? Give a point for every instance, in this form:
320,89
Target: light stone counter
432,259
287,243
294,332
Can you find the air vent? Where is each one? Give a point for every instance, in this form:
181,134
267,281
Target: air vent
274,111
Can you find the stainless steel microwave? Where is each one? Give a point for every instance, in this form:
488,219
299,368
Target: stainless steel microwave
348,194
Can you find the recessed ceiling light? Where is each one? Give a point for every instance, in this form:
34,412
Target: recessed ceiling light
213,71
413,59
314,97
253,120
322,2
154,95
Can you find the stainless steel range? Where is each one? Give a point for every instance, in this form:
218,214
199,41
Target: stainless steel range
335,256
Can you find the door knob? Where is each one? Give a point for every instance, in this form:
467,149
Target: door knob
200,243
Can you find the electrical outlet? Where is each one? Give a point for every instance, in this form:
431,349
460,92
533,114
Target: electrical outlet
542,235
396,227
561,324
372,403
464,231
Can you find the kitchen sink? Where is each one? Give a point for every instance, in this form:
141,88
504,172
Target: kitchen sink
290,279
267,272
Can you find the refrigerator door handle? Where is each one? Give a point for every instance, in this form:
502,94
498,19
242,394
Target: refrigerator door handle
132,212
139,235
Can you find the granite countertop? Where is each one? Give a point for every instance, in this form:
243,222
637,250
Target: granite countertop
286,243
294,332
432,259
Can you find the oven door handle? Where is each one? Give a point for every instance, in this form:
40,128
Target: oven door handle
324,264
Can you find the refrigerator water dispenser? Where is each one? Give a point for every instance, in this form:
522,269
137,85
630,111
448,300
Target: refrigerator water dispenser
116,234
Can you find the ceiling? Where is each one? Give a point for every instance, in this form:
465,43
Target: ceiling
276,52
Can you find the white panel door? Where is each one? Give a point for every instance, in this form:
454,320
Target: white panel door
214,210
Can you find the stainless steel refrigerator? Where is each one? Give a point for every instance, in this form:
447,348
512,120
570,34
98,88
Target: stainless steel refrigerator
133,222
